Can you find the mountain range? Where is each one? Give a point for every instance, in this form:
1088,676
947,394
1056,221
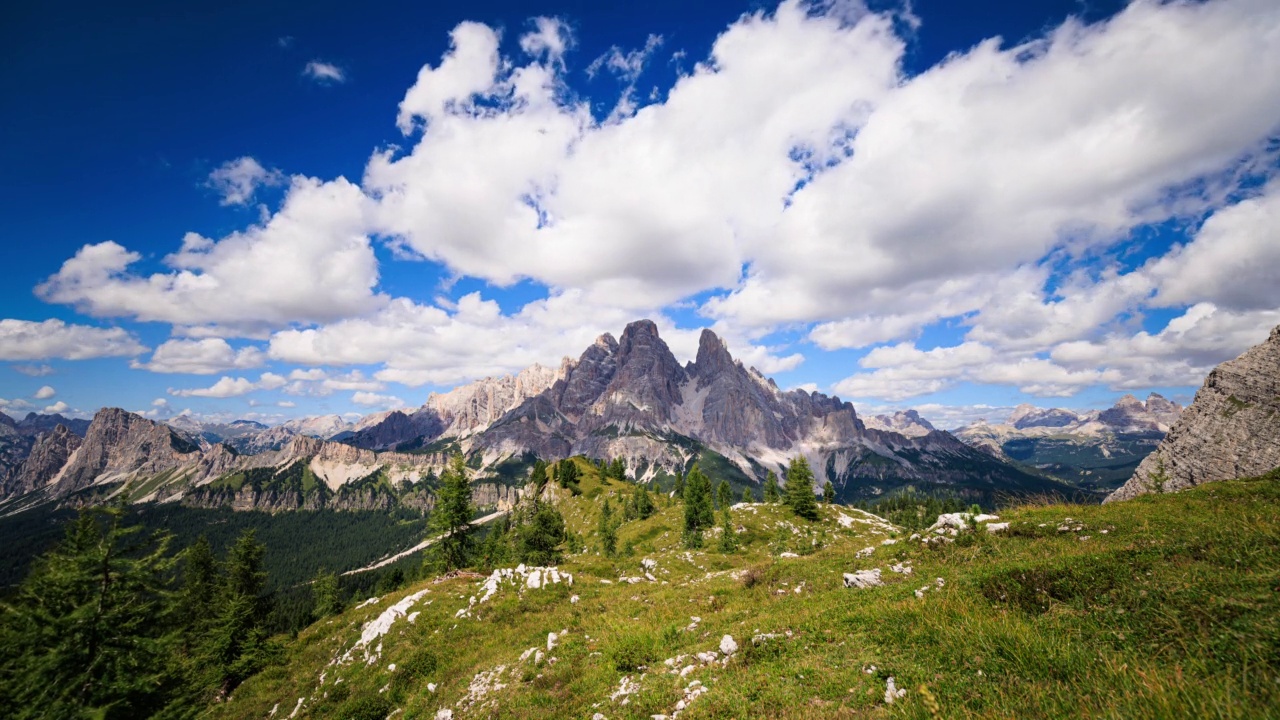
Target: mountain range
626,398
1096,449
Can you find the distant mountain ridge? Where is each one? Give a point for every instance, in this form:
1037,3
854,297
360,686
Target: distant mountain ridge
1097,449
626,398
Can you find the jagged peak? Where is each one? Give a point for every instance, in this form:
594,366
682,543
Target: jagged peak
607,341
639,327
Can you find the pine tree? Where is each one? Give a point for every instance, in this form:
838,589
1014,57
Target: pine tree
324,593
452,516
236,643
800,489
678,488
828,492
728,538
539,540
771,494
724,494
642,501
539,475
747,496
90,631
608,530
697,507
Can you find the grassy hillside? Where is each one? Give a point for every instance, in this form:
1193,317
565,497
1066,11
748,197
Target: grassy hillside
1165,606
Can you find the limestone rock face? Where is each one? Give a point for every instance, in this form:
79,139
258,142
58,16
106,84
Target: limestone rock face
49,453
1231,429
119,444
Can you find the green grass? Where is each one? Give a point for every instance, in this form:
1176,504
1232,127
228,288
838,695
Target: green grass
1169,609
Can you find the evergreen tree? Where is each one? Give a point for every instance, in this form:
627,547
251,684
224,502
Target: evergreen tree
747,496
324,593
828,492
617,470
236,644
724,494
539,475
771,494
678,488
800,489
452,516
540,539
642,502
90,631
199,584
608,530
697,507
728,538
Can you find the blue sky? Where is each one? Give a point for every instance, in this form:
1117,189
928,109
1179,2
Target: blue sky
271,209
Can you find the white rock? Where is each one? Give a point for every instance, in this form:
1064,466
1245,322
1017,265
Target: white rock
863,579
985,518
574,600
997,527
552,640
598,716
788,555
891,692
535,579
865,552
727,645
537,657
956,521
431,687
444,714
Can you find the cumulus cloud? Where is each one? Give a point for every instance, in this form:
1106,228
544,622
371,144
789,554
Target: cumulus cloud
237,180
200,357
369,399
227,387
324,73
27,340
44,393
310,262
797,178
58,407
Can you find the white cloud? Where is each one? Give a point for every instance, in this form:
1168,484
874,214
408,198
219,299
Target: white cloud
310,262
58,407
237,180
200,357
27,340
551,38
369,399
287,404
33,370
1233,262
324,73
227,387
45,393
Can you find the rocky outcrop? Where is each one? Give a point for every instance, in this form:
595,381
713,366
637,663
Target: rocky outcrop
119,445
50,452
1231,429
36,423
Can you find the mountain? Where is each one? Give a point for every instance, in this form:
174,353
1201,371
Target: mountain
630,398
627,399
35,423
1097,449
903,422
1231,429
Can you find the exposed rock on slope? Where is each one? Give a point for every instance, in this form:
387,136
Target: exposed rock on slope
1231,430
120,444
50,452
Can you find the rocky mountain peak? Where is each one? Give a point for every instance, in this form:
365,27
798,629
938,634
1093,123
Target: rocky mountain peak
713,358
1229,431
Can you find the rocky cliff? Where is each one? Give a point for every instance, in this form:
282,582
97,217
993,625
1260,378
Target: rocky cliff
1231,429
119,445
48,455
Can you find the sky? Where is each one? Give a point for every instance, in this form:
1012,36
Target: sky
268,210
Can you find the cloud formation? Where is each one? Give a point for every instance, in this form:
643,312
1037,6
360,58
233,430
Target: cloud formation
324,73
27,340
